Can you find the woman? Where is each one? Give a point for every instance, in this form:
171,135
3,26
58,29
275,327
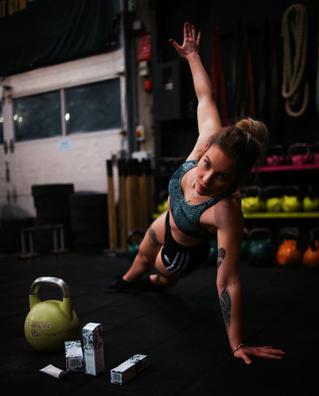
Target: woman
203,201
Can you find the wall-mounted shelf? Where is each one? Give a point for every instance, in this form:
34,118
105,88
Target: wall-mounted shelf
282,168
281,215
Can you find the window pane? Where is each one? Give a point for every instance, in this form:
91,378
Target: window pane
1,125
93,107
37,117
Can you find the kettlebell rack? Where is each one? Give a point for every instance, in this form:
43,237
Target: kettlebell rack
266,169
282,215
276,168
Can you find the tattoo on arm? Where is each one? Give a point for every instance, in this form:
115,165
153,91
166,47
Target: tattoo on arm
225,304
153,237
220,256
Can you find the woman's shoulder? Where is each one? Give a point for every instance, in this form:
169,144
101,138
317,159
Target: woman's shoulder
225,213
228,212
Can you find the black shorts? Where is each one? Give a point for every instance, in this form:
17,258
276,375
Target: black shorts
181,259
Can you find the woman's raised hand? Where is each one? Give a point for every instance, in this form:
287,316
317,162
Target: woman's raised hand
190,42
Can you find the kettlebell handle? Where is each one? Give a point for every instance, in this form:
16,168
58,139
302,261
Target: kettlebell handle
50,280
293,146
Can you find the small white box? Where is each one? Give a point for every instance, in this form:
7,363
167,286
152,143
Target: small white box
93,348
74,360
129,369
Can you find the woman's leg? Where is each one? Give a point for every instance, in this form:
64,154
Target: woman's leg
148,250
163,277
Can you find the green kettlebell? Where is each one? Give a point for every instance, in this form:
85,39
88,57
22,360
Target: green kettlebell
273,196
290,203
310,204
274,204
49,323
133,243
250,201
250,204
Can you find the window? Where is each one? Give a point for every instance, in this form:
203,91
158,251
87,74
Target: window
93,107
37,117
1,125
88,108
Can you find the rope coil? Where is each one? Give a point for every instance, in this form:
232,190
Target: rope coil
295,41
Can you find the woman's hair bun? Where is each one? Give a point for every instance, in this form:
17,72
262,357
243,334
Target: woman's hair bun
257,129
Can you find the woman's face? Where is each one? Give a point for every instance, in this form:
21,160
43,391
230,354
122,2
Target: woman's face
215,172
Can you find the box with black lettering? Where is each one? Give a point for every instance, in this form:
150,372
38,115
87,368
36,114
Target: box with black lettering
129,369
74,360
93,347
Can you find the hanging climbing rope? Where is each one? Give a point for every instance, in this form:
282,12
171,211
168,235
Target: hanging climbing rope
295,40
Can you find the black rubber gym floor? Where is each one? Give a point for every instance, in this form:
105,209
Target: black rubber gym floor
180,330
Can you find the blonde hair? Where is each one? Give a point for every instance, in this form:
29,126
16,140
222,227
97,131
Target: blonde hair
256,129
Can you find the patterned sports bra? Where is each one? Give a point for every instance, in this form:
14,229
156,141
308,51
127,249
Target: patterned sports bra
187,216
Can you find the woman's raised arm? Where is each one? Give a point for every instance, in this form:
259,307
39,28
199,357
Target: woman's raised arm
208,118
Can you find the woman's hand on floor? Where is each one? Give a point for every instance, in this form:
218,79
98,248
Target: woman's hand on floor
267,352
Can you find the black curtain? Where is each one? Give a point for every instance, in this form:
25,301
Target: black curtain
45,32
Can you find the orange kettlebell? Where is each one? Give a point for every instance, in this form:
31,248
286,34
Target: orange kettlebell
289,252
311,255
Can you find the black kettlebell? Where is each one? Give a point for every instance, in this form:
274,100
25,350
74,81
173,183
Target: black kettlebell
260,247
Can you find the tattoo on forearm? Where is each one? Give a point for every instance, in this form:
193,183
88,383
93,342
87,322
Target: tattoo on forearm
220,256
153,237
225,304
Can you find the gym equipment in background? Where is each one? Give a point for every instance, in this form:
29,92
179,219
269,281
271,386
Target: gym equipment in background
289,253
275,155
111,205
89,221
273,195
310,256
133,242
310,202
133,179
291,201
51,202
251,201
244,252
49,323
315,152
300,153
161,208
260,247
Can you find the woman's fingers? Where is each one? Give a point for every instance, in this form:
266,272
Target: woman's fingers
174,44
187,30
266,352
269,355
269,349
198,38
193,32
